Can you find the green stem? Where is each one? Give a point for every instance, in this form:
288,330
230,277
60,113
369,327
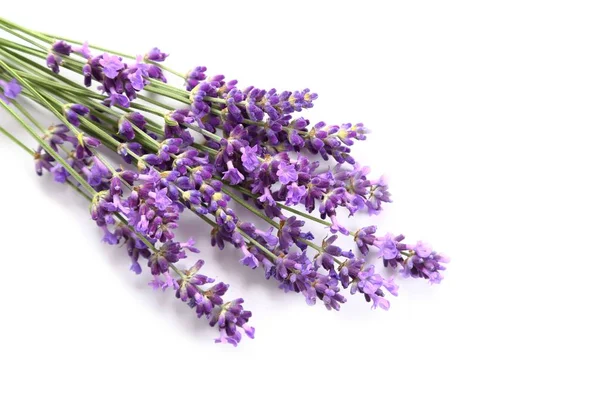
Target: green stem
49,150
23,49
37,35
162,66
250,208
22,37
17,141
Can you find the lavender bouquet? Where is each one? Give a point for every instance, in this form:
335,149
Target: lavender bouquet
221,145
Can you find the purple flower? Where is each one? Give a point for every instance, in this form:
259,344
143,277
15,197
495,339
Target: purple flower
136,79
423,250
83,50
156,283
364,238
60,174
118,99
111,65
379,194
10,90
363,279
62,47
295,194
97,173
249,158
425,263
53,62
161,199
156,55
194,77
249,259
136,268
387,247
188,285
291,232
228,318
232,175
74,111
287,173
126,128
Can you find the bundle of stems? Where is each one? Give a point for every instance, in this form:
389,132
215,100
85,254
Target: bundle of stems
220,146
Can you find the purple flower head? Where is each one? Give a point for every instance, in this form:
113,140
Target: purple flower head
87,75
364,238
270,239
10,90
156,55
136,79
192,196
62,47
363,279
424,263
326,258
116,98
229,317
60,174
161,199
136,268
194,77
155,72
84,143
74,111
249,259
291,232
387,247
83,50
379,194
249,158
97,173
111,65
232,175
422,249
170,253
188,285
53,62
327,290
126,128
287,173
295,194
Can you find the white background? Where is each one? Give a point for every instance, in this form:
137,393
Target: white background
484,117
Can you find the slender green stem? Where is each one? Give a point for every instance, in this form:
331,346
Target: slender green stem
21,48
26,113
250,208
162,66
158,90
26,84
22,37
16,141
49,150
37,35
32,153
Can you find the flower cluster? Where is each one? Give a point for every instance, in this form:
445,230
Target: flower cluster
254,144
119,80
137,210
224,146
